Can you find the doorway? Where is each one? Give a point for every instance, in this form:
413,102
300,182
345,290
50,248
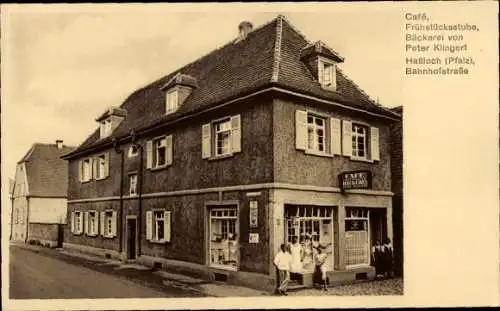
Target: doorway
60,235
131,237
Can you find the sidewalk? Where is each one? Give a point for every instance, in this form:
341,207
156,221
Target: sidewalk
146,275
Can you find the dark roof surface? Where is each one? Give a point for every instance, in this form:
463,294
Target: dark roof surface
47,173
237,68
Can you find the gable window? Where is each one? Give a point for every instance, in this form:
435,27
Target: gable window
326,73
101,169
172,101
316,133
133,151
158,226
359,141
221,137
86,169
132,178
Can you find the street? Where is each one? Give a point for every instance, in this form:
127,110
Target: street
37,275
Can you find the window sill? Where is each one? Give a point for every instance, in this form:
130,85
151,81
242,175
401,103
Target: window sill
318,153
93,235
133,196
108,236
220,157
102,178
223,267
158,241
77,233
85,181
361,160
158,168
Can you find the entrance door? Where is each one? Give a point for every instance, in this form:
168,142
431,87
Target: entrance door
131,237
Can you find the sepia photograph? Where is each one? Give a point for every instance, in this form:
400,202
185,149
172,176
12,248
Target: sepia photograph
168,151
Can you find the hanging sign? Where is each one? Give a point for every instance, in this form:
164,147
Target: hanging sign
355,180
254,214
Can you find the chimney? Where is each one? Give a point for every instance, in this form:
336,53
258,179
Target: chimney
244,27
59,144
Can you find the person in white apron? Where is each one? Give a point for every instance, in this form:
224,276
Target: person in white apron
296,252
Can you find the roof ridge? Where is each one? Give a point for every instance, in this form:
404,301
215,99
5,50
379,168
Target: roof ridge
277,48
345,76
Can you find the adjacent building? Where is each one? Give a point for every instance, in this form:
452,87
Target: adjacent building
210,168
39,195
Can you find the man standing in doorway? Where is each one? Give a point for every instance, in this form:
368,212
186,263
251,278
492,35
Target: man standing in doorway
283,261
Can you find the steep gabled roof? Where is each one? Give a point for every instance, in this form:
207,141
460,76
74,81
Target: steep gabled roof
46,172
268,56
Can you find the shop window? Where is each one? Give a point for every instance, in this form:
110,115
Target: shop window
357,237
311,226
224,237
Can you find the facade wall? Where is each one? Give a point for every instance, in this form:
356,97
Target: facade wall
43,232
296,167
47,210
255,156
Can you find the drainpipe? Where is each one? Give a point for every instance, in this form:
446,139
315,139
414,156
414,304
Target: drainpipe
120,223
139,181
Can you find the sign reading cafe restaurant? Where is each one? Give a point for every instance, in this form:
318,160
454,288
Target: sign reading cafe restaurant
355,180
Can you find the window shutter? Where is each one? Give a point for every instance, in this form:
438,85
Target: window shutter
236,133
335,136
301,129
167,226
206,140
106,165
375,143
103,223
321,72
72,221
149,154
346,138
94,162
169,151
80,170
149,225
86,223
113,224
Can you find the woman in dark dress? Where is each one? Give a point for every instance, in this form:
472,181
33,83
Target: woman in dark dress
388,258
378,259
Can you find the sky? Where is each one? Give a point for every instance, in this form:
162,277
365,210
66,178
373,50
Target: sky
64,65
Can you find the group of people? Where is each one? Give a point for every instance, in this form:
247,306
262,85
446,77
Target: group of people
382,258
291,259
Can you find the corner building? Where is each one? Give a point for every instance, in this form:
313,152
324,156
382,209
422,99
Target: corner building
209,169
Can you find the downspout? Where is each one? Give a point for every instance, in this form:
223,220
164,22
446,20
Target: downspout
139,180
119,220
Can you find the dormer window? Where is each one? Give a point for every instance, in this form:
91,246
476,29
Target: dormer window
326,73
172,101
105,128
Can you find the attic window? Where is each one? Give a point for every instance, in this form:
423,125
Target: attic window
172,101
105,128
326,73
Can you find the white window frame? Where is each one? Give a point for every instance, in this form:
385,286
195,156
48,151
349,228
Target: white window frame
222,131
131,182
105,127
101,167
315,137
355,136
108,223
363,214
226,215
93,231
78,226
156,220
327,68
156,142
86,174
172,101
132,153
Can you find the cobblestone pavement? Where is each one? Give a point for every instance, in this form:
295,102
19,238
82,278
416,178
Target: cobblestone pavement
371,288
